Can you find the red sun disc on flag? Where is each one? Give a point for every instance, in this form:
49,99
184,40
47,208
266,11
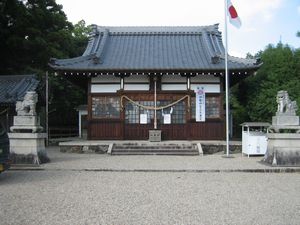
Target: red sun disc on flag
233,12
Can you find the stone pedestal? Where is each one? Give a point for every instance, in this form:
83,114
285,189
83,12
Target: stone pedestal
285,120
283,149
26,124
28,148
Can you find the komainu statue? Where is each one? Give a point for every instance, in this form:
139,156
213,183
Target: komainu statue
27,107
285,105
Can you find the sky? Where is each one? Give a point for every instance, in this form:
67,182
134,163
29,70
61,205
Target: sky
263,21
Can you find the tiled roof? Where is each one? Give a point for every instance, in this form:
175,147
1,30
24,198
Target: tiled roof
153,48
14,87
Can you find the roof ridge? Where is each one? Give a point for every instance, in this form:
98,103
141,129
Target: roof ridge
100,47
154,29
241,60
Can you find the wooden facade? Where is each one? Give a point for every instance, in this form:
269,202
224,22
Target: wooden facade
169,89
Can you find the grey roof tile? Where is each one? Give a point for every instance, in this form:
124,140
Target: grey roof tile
14,87
153,48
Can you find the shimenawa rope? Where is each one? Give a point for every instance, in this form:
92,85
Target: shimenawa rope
153,108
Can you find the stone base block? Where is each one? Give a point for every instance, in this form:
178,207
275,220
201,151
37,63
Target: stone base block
26,121
283,149
28,148
285,120
99,149
283,156
27,128
214,148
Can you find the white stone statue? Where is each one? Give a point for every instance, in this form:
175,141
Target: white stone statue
27,107
285,105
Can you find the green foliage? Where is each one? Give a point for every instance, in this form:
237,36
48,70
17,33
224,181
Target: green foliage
254,99
12,34
63,101
239,111
32,32
80,33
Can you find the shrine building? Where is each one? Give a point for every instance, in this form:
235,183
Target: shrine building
144,78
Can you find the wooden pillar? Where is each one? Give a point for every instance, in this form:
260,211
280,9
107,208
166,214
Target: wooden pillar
79,123
89,109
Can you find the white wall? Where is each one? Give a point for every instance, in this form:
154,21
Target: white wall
136,87
136,79
111,84
106,79
173,79
205,79
136,83
105,88
174,87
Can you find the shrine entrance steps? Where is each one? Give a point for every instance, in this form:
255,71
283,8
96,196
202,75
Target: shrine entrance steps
136,147
160,148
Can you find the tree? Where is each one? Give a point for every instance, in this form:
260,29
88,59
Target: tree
279,73
254,99
48,34
32,32
13,19
60,85
80,33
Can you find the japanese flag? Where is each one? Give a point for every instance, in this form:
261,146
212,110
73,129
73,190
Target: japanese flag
234,18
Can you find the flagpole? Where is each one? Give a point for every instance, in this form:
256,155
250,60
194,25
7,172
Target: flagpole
155,103
226,79
47,108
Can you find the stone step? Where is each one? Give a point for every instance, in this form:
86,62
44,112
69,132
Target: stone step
154,149
160,152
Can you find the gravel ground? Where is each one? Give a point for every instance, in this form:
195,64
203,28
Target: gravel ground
88,197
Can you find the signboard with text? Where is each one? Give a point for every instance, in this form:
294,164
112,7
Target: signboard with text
200,104
167,118
143,118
